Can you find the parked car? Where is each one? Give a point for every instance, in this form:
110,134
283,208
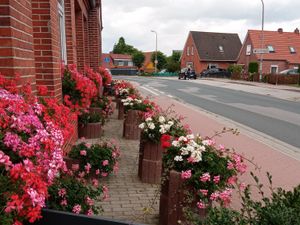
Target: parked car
215,72
289,71
185,74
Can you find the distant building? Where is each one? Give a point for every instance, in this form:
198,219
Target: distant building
283,47
148,66
205,50
119,64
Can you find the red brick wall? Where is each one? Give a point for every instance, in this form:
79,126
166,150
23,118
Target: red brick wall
87,47
16,48
94,28
80,40
70,31
47,44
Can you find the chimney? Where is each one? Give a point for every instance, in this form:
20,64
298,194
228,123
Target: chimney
280,30
296,31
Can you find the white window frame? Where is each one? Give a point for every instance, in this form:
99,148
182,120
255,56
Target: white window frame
189,64
188,51
274,66
192,50
292,50
62,29
271,48
221,49
248,50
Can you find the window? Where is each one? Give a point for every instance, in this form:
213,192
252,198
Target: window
188,51
130,63
221,49
248,50
192,52
189,64
63,46
274,69
270,48
292,50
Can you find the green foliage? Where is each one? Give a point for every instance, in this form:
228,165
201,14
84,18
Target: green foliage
173,62
122,48
161,58
176,56
224,216
138,59
90,117
236,69
253,67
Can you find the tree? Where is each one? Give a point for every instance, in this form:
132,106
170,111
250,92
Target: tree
173,62
176,56
122,48
161,58
138,59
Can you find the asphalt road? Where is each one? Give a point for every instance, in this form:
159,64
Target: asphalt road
275,117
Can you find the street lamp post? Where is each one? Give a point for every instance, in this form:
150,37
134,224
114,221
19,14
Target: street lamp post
155,62
262,40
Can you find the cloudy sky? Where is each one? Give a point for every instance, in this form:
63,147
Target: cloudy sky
173,19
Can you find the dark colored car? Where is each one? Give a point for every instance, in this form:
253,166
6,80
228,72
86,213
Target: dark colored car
215,72
185,74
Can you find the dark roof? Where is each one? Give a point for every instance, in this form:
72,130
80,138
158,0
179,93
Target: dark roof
207,44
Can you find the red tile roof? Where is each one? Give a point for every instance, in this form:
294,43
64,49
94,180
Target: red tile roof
120,56
281,41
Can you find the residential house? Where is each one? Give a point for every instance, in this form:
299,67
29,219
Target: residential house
283,50
205,50
119,64
148,66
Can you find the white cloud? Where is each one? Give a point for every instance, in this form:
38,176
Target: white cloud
173,19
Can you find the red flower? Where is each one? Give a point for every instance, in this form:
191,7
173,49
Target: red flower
165,141
42,90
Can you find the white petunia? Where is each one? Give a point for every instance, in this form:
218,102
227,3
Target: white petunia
148,119
142,126
161,119
151,126
178,158
182,138
171,123
125,103
175,143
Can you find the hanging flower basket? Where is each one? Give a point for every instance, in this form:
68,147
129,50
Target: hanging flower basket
131,129
150,161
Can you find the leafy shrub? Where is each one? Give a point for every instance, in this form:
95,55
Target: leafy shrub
253,67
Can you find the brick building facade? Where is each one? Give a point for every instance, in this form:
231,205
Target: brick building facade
37,35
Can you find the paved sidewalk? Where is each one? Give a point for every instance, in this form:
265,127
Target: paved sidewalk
130,200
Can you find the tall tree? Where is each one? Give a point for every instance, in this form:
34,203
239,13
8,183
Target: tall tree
138,59
161,58
122,48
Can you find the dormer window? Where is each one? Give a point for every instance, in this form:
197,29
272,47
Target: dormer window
292,50
221,49
270,48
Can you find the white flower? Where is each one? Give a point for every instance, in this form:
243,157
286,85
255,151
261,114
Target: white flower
184,151
161,119
130,103
151,126
142,126
175,143
162,130
178,158
182,138
196,155
167,127
148,119
171,123
125,103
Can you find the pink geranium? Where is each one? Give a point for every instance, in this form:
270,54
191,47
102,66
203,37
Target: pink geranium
186,174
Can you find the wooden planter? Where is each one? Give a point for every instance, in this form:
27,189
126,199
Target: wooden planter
131,128
51,217
121,110
90,130
172,201
150,162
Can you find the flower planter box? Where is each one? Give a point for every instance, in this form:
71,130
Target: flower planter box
131,129
121,110
150,162
90,130
52,217
172,201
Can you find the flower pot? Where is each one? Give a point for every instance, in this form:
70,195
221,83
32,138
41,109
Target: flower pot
90,130
131,129
96,110
121,111
51,217
171,202
150,162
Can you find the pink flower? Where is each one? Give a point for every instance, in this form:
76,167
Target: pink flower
88,145
90,212
225,196
97,172
87,167
221,148
201,205
205,177
214,196
75,167
216,179
230,166
83,152
116,168
186,174
95,183
104,174
76,209
81,174
232,180
105,163
64,202
242,186
62,192
89,201
191,160
105,192
204,192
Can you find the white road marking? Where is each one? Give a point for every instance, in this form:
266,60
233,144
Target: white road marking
147,89
170,96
